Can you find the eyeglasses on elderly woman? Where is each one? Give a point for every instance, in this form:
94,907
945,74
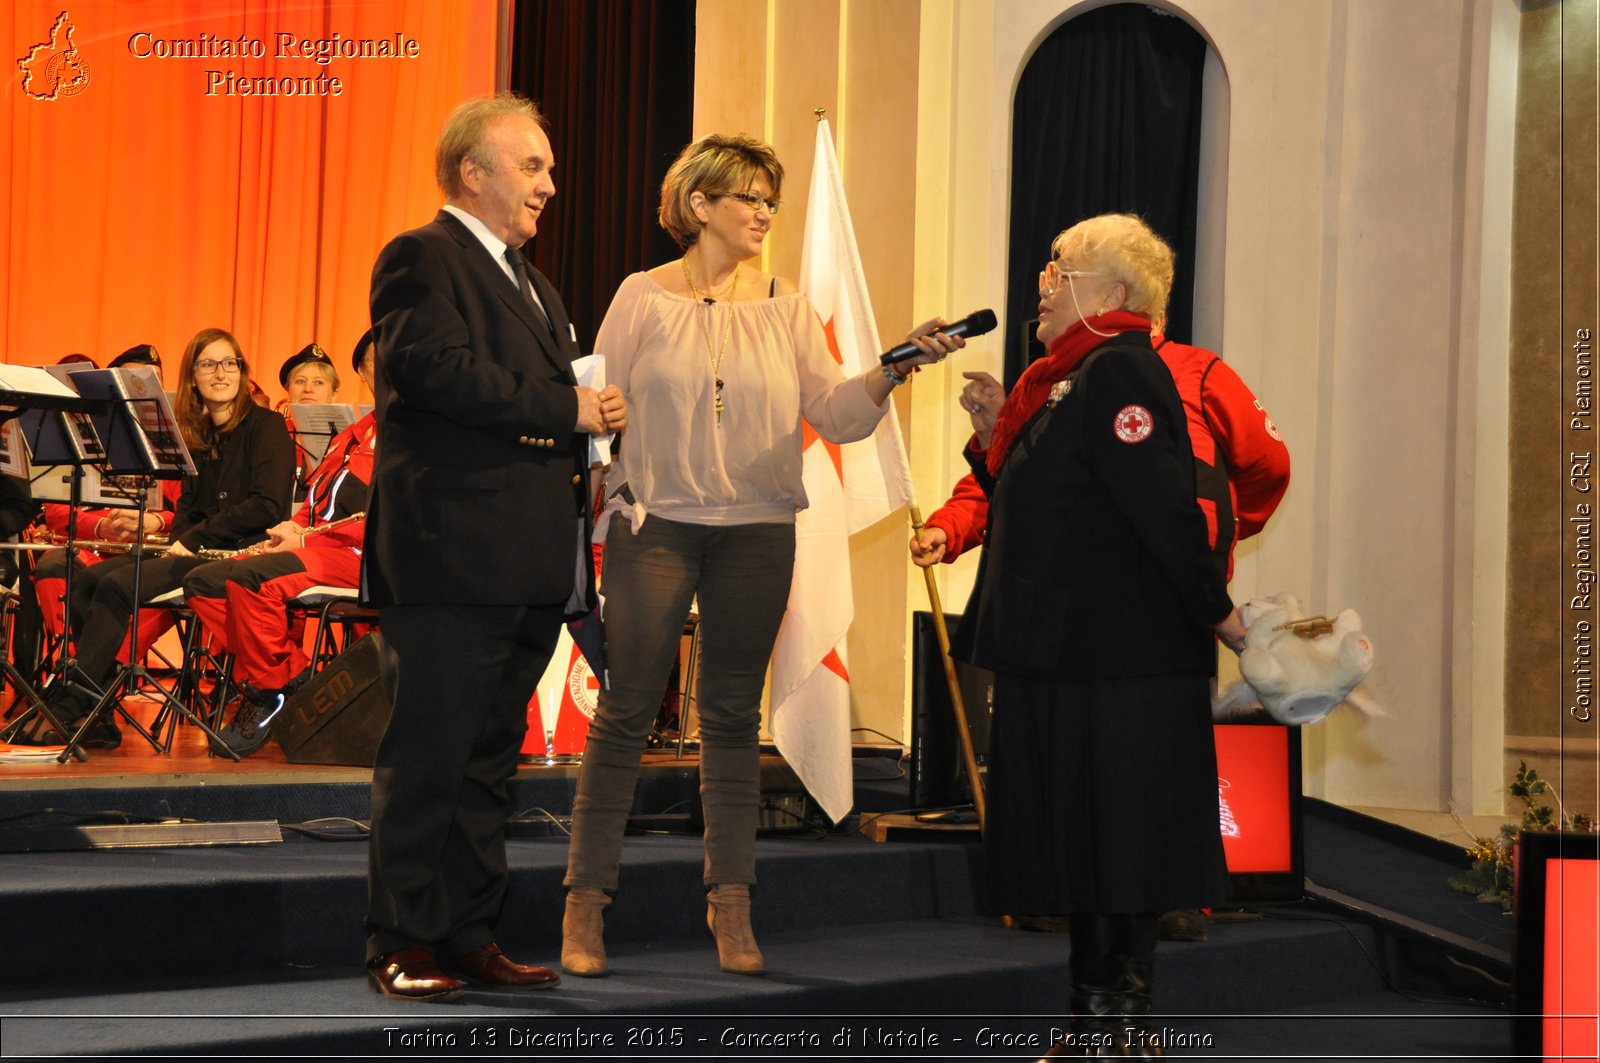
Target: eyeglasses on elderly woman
1053,276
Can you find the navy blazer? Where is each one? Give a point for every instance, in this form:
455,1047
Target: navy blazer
479,490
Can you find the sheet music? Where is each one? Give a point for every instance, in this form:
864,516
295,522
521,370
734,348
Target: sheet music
34,380
13,452
57,436
137,405
316,423
143,386
53,483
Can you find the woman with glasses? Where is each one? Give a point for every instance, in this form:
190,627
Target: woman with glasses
1097,604
245,470
719,362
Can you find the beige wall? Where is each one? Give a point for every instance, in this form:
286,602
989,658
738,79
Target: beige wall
763,67
1362,228
1554,260
1353,232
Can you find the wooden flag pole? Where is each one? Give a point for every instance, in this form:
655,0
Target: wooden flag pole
968,756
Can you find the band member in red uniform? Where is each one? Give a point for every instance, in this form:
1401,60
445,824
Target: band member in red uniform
308,376
242,600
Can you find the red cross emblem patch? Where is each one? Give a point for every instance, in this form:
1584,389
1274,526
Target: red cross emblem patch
1133,424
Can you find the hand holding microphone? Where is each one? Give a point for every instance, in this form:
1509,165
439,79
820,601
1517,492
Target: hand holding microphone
932,340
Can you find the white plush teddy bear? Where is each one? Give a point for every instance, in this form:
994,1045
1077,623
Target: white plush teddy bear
1298,667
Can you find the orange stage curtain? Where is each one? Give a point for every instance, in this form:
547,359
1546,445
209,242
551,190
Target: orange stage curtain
140,208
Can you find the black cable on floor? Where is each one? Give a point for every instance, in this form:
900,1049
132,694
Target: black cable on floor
94,818
355,830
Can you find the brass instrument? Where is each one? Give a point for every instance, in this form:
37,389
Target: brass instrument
155,543
1307,627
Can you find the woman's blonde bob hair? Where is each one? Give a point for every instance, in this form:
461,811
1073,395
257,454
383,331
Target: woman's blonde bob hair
1125,249
713,164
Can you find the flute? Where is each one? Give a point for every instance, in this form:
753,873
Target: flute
212,554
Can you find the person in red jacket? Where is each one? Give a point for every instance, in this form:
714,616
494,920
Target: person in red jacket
1241,462
242,600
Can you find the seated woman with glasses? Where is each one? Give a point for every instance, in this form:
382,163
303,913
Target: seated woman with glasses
245,471
719,361
1097,604
242,600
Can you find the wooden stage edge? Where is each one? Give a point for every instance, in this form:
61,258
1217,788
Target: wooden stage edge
189,763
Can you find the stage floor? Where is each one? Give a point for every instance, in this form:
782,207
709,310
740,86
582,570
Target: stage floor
190,762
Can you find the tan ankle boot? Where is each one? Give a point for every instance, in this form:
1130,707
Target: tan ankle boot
728,916
583,947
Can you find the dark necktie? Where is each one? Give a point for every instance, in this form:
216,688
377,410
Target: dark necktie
519,266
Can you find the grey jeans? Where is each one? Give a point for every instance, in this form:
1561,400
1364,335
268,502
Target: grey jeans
741,574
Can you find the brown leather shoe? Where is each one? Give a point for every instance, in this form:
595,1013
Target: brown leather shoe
411,974
487,965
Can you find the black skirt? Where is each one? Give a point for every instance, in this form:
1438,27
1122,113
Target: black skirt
1102,797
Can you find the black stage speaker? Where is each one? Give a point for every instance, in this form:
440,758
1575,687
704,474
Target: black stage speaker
340,714
938,774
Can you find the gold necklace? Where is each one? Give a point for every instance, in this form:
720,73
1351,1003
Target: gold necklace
715,353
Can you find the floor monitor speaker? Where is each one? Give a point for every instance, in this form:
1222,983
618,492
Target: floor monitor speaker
339,716
938,774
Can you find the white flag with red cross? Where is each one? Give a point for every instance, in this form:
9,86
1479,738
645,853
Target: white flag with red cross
849,487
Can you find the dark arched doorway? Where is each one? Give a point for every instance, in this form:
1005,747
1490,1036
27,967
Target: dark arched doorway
1107,117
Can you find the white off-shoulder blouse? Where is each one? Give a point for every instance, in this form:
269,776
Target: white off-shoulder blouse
676,461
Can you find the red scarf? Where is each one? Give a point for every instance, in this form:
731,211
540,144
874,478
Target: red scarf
1034,387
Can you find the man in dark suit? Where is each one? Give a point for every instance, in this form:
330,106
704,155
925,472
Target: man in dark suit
477,544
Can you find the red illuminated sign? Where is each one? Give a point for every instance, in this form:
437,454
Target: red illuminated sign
1254,790
1571,933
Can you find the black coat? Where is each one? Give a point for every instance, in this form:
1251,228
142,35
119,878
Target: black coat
1095,561
479,491
246,489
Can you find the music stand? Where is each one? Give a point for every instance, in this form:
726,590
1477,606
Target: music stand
317,423
68,438
55,422
142,441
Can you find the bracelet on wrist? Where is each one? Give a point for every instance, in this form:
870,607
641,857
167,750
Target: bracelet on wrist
894,378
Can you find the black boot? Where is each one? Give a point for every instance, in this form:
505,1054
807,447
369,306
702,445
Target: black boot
69,704
1141,1033
1094,1030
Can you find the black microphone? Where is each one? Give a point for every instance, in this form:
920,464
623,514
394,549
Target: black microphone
974,324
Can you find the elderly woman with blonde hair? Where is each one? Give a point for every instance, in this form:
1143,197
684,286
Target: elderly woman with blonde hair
1097,605
720,362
